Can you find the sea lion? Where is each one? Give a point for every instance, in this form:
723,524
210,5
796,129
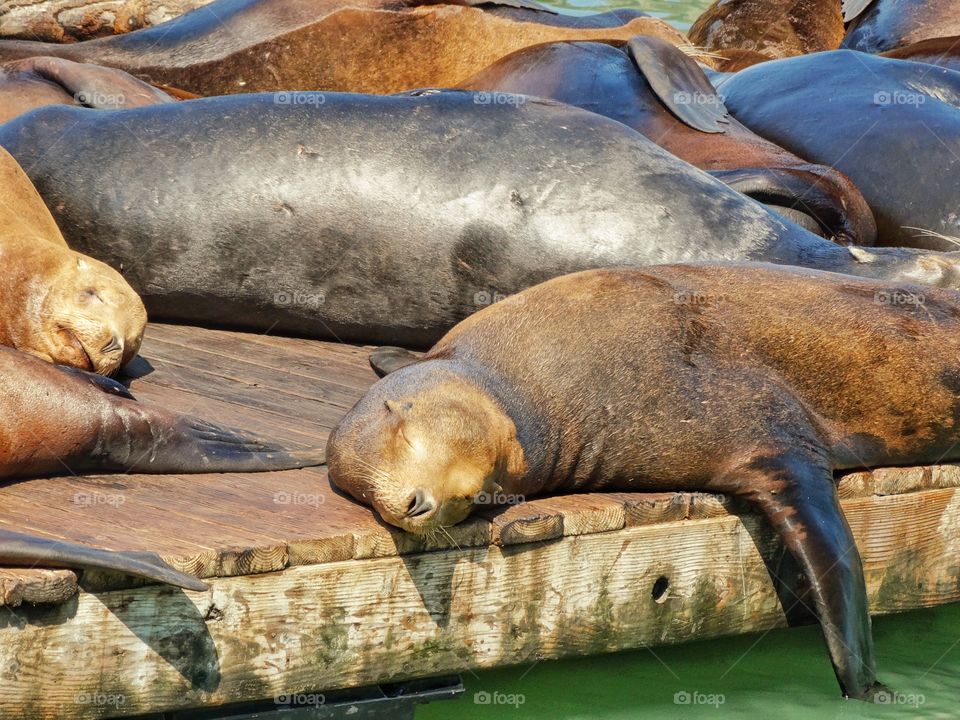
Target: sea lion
58,304
34,82
879,25
892,126
59,419
657,90
740,33
388,219
749,380
941,51
371,46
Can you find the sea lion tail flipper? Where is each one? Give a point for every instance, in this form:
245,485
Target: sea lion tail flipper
852,9
190,445
388,359
101,382
27,550
798,496
679,83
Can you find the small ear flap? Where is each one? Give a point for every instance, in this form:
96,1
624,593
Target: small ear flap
852,9
385,360
398,409
679,83
111,387
861,255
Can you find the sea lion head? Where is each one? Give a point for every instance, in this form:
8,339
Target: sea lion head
90,317
421,446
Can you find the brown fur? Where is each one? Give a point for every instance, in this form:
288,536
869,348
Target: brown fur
57,304
943,52
370,47
744,32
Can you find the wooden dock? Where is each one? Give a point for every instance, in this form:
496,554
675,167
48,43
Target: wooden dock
310,593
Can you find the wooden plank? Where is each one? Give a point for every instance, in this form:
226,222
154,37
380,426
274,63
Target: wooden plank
352,623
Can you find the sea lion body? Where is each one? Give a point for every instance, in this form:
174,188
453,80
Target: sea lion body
35,82
387,219
371,46
661,93
941,51
57,304
58,420
891,126
888,24
739,33
748,380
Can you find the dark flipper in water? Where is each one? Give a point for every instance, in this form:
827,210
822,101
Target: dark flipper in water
28,551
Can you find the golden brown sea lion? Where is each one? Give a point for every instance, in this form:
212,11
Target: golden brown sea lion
753,381
879,25
371,46
942,51
654,88
58,420
57,304
739,33
34,82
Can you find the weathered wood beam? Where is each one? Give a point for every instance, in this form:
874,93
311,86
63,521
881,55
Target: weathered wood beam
358,622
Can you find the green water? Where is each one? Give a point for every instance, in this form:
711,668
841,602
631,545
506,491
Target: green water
782,675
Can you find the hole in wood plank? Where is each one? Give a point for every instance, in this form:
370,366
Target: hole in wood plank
660,589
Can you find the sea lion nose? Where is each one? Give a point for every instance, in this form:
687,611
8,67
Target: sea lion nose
114,345
421,503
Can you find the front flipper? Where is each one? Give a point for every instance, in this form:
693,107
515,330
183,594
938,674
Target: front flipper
797,494
679,83
387,359
852,9
107,385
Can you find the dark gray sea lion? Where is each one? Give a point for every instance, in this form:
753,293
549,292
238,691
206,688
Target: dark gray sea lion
657,90
879,25
375,46
748,380
892,126
388,219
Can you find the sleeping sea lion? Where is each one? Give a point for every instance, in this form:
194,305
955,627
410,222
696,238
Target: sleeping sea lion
740,33
891,126
941,51
372,46
749,380
879,25
389,219
59,419
657,90
57,304
34,82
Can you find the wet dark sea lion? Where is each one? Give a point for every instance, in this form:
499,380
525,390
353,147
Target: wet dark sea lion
57,304
388,219
749,380
879,25
373,46
58,420
740,33
892,126
941,51
657,90
34,82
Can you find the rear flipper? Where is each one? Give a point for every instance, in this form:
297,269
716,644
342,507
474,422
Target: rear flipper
25,550
797,494
387,359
